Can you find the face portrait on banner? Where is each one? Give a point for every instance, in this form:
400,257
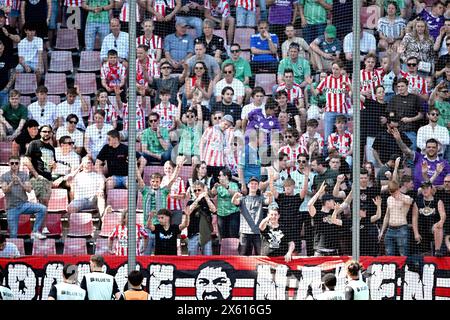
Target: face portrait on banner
215,281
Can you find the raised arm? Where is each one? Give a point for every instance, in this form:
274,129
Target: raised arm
407,151
377,216
311,208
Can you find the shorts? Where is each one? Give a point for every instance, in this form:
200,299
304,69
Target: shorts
84,204
42,188
119,181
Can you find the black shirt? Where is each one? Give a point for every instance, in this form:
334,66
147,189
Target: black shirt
116,159
326,233
166,240
23,139
366,196
7,40
406,106
442,61
275,242
385,145
41,154
216,43
36,10
6,65
370,118
232,109
288,207
202,210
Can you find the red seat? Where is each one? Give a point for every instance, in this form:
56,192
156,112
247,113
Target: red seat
56,83
90,61
266,81
19,244
75,247
61,61
54,224
242,37
66,39
118,199
110,220
44,247
55,99
229,247
149,170
58,201
80,224
24,225
6,150
86,82
101,246
25,100
26,83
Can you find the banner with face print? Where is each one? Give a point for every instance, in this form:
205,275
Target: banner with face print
240,278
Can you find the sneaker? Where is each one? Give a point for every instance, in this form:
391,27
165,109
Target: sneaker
45,230
37,235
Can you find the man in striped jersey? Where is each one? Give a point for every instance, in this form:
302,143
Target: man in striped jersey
219,11
293,89
246,13
292,149
146,69
416,84
151,40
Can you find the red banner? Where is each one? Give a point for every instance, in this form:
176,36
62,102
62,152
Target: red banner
241,278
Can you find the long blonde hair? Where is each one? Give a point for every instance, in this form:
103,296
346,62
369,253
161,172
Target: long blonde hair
426,34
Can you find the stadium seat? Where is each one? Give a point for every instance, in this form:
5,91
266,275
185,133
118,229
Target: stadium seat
101,246
3,202
55,99
66,39
86,82
185,173
44,247
26,83
6,150
58,201
19,244
110,220
242,37
90,61
75,247
56,83
80,224
25,100
117,199
24,225
149,170
266,81
54,224
223,34
229,247
61,61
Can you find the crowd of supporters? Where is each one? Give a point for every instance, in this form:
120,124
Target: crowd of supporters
263,122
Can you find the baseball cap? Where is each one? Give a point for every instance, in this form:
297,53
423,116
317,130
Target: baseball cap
2,13
253,178
229,118
330,31
181,22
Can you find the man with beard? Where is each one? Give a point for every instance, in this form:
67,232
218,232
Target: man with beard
433,130
215,281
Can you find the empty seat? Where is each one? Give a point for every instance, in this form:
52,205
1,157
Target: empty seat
6,150
54,224
90,61
75,247
25,100
86,82
26,83
44,247
24,225
56,83
55,99
229,247
101,246
117,199
266,81
66,39
61,61
242,37
110,220
58,201
19,244
80,224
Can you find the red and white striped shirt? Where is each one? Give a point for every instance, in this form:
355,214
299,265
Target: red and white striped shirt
304,139
113,74
220,10
292,153
294,94
232,154
178,188
124,12
249,5
160,7
371,79
335,93
15,4
153,44
415,82
212,147
140,117
120,233
152,71
111,113
73,3
167,114
342,143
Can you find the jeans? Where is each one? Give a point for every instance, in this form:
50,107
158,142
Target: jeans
194,22
194,246
330,119
92,28
412,135
312,31
165,156
25,208
369,151
229,225
249,243
263,12
396,238
151,243
54,15
3,97
245,18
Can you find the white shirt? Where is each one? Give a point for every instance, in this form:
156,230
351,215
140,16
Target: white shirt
360,289
236,84
29,49
77,136
99,286
64,109
331,295
439,133
97,137
120,45
67,291
9,251
87,184
48,116
6,293
249,108
66,164
367,43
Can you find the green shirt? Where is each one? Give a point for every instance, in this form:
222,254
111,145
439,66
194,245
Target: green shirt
13,116
224,205
314,12
153,200
444,109
400,5
150,139
242,68
190,140
318,100
100,17
301,68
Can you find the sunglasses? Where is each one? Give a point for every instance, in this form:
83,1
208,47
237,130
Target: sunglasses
198,190
115,44
217,118
153,120
69,142
73,122
235,51
190,116
434,114
301,161
412,64
14,163
45,131
287,137
42,112
448,43
228,72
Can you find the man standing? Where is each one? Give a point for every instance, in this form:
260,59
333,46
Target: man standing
156,141
15,186
313,14
99,285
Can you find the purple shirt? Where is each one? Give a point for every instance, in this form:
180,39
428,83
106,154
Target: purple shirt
281,12
432,164
434,23
258,120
